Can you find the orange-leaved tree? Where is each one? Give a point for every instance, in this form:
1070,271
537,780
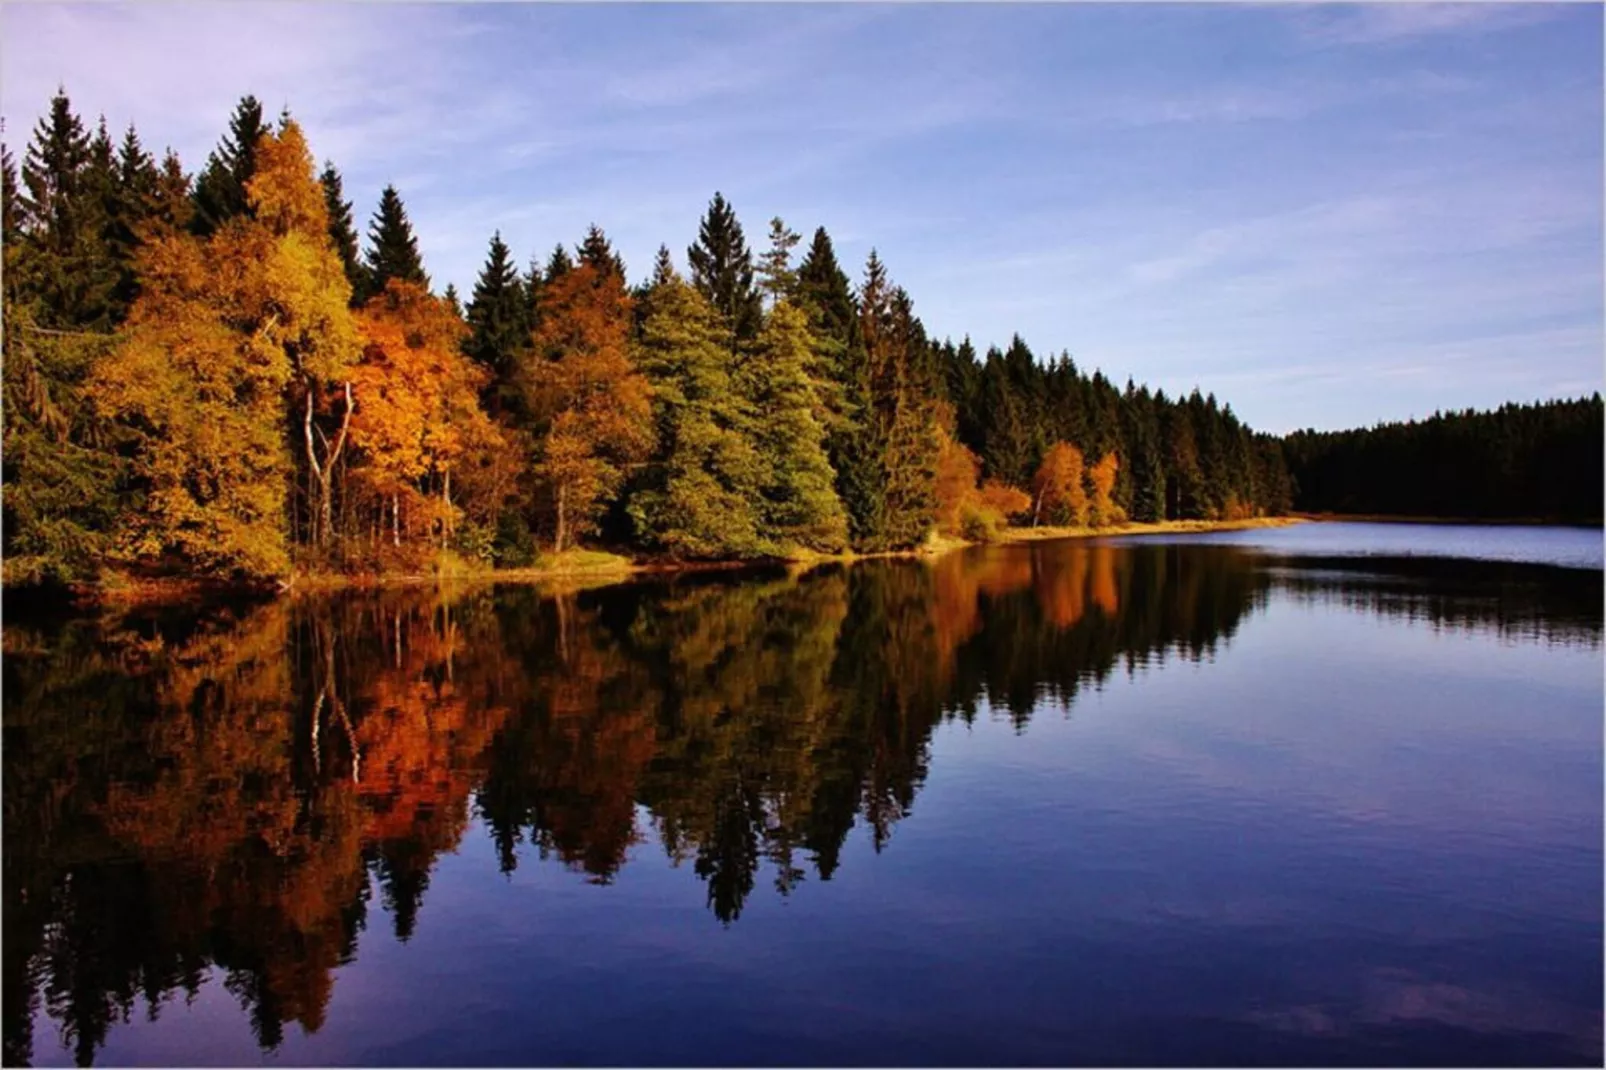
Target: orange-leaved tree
1060,496
584,387
418,419
1102,509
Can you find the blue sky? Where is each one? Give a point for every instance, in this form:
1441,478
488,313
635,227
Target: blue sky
1327,215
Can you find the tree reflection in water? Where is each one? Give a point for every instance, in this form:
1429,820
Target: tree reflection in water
188,791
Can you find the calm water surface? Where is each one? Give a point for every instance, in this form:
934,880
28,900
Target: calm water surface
1323,795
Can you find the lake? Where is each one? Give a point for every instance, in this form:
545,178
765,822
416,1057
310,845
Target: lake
1329,794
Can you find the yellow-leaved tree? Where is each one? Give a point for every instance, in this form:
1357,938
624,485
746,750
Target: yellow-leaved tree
226,336
585,386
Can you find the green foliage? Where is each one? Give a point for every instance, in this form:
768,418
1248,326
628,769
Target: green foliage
392,249
342,231
499,323
722,271
220,191
701,496
799,504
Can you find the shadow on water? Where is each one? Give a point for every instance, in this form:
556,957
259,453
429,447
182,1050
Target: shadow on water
190,791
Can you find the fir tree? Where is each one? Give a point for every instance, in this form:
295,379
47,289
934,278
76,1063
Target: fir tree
174,205
499,322
825,293
800,505
700,497
342,231
220,191
392,249
722,271
558,264
775,266
598,252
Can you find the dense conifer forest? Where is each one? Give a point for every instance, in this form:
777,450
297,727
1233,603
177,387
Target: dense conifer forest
1518,462
213,374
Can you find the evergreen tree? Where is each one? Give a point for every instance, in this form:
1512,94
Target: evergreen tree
392,248
499,323
342,231
558,264
220,191
700,498
453,301
722,271
598,252
800,505
775,266
173,201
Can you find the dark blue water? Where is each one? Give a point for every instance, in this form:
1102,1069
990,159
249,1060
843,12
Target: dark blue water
1233,800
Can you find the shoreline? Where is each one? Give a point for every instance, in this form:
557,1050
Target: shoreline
1460,521
591,567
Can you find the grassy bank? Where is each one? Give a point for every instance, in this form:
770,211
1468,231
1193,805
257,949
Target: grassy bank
587,568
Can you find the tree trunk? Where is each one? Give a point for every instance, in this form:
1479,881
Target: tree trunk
324,472
395,520
557,547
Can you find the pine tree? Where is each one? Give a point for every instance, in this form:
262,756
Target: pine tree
558,264
174,204
598,252
722,271
499,324
663,266
775,266
342,231
392,248
220,191
799,506
700,498
453,301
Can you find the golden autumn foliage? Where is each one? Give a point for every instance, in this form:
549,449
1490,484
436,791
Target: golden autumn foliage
418,419
963,508
1058,485
198,380
1102,510
582,379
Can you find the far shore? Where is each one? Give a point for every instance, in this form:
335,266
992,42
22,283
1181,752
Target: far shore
1471,521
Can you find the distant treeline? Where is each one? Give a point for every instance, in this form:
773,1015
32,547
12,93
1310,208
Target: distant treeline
1519,462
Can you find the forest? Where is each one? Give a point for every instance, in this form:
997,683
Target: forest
211,374
1528,462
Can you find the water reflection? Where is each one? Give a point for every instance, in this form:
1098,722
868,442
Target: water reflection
188,792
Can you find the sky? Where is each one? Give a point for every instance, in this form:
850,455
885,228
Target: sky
1326,215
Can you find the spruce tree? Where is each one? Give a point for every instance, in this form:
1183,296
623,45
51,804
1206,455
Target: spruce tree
700,498
558,264
799,506
498,322
174,205
392,249
775,266
825,293
342,230
722,270
597,251
220,190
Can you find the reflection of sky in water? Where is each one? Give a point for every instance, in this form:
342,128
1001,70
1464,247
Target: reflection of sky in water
1344,836
1572,547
